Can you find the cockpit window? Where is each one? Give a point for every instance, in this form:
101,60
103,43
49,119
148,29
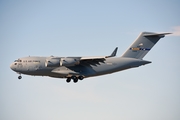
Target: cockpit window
18,60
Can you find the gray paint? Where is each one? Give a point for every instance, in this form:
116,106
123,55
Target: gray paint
83,67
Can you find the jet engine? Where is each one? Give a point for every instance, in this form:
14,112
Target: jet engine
68,62
57,62
52,62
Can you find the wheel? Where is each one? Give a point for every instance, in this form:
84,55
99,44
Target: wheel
75,79
19,77
80,77
68,80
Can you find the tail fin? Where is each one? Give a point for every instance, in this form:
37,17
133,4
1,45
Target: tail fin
143,44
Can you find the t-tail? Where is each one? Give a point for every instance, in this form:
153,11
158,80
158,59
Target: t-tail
143,44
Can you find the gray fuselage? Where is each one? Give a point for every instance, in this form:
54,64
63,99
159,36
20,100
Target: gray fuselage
78,68
36,66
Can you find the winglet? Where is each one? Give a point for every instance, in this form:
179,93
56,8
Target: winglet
113,53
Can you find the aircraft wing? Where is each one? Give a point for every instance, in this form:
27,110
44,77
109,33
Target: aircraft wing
92,60
96,60
113,54
72,61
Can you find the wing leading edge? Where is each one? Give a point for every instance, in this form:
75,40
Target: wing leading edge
96,60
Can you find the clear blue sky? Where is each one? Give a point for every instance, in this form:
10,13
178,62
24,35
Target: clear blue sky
90,28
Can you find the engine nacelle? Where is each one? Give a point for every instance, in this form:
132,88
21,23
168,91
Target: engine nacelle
52,62
68,62
57,62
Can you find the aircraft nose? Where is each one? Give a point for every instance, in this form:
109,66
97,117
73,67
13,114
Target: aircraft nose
12,66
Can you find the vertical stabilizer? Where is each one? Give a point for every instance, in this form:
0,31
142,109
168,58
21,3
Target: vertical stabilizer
143,44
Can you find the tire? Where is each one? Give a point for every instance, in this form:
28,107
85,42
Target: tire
19,77
75,79
80,77
68,80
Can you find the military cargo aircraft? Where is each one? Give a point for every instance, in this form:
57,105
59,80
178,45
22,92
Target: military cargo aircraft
78,68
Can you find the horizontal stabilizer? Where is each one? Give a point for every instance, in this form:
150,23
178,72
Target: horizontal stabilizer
155,34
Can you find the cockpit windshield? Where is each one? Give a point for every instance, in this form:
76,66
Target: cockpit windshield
18,60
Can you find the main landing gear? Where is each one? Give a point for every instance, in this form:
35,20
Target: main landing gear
74,78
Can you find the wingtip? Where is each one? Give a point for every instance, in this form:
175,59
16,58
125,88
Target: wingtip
113,54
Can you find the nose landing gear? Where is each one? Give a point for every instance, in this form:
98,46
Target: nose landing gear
19,77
